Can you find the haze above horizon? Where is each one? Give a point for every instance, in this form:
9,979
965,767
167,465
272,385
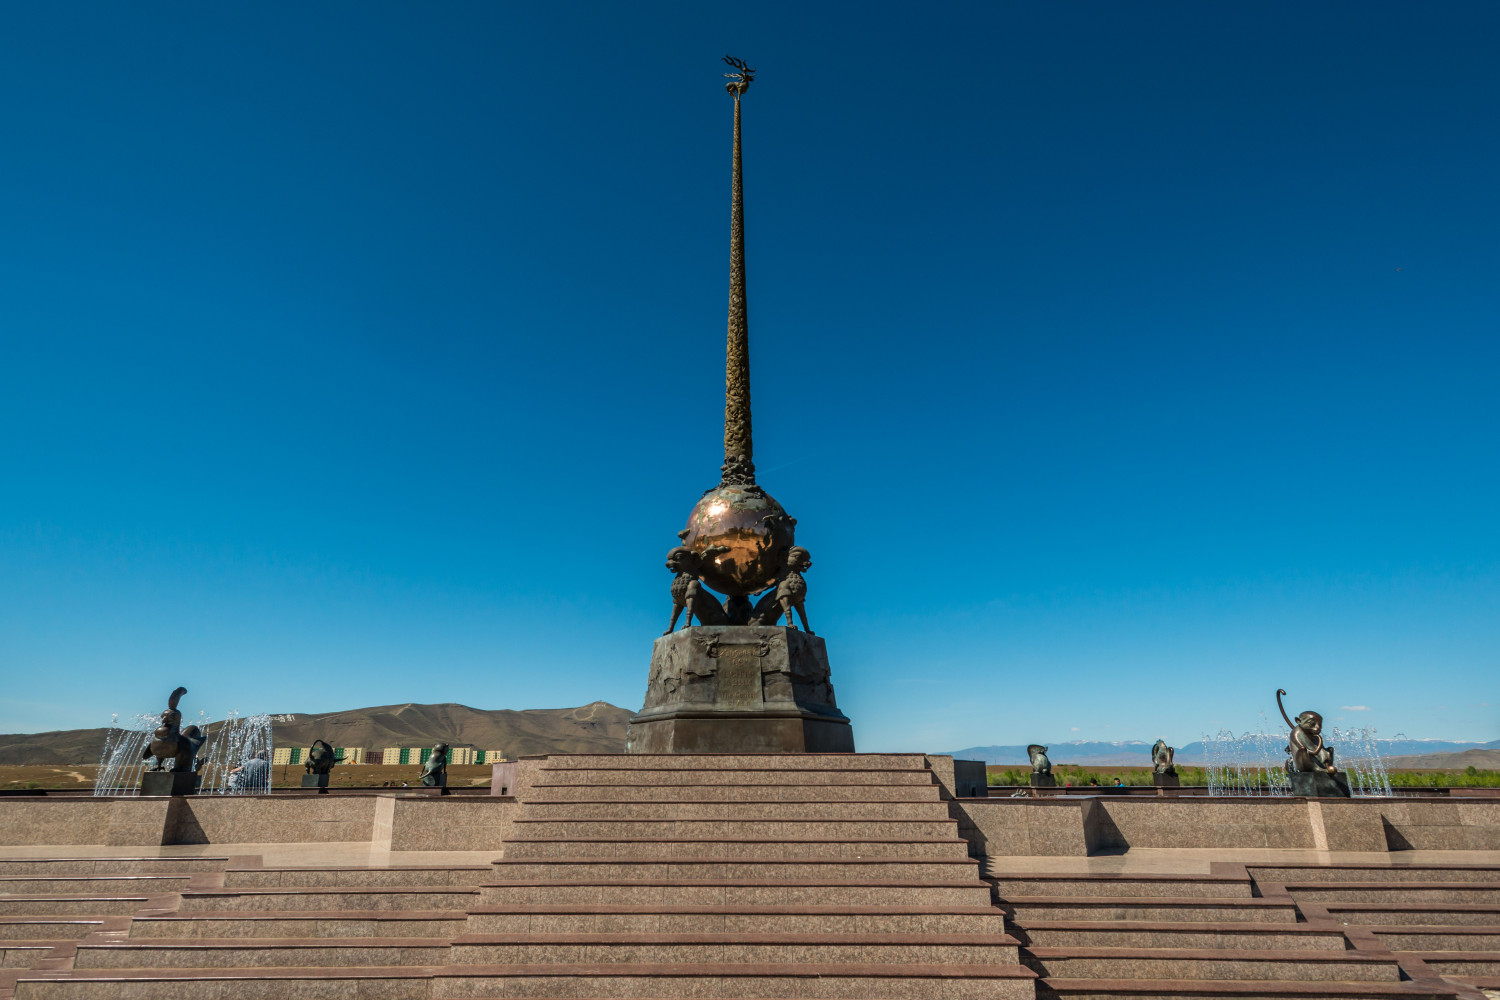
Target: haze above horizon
1120,364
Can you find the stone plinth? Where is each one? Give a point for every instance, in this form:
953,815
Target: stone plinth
318,781
169,782
739,689
1166,779
1320,783
1040,780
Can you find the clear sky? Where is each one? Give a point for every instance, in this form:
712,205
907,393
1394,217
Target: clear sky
1121,362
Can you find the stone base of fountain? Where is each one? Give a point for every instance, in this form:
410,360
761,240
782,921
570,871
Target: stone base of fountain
1163,780
169,783
1320,784
1039,780
318,781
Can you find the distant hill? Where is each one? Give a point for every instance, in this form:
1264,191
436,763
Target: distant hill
1124,753
595,728
1484,760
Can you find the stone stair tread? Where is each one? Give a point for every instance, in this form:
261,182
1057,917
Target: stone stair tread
1211,954
226,915
1205,901
205,944
1232,987
740,840
302,890
1402,885
656,937
748,970
1113,877
813,971
751,883
736,908
1432,906
1194,926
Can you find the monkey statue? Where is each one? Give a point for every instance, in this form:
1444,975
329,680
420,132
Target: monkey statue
168,742
1305,746
687,591
1161,758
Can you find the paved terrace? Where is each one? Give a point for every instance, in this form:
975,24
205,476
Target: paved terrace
815,876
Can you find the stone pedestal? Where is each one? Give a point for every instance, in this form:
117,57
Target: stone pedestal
168,783
1320,783
1166,779
1039,780
739,689
318,781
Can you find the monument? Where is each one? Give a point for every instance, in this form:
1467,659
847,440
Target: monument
738,681
1163,770
435,768
1041,767
173,752
1309,762
319,765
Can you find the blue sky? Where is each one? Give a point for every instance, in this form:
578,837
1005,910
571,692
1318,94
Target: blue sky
1121,363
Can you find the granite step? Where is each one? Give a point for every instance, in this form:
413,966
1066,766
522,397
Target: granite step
371,898
69,905
735,892
801,778
1185,963
1462,964
1161,908
740,850
750,982
1177,934
649,808
1127,886
591,868
302,923
37,867
732,949
685,792
1440,937
1057,988
736,763
1394,892
664,982
636,830
1415,914
25,954
1374,873
47,928
400,876
560,918
278,952
22,885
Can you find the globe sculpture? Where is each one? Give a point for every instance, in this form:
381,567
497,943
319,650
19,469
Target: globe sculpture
743,535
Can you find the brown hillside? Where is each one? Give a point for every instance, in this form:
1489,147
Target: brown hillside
1484,760
595,728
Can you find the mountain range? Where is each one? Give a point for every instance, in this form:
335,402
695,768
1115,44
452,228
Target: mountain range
594,728
1092,753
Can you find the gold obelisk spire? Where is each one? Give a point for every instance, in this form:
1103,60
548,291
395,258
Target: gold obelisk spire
738,468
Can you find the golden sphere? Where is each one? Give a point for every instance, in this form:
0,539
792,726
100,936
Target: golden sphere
754,530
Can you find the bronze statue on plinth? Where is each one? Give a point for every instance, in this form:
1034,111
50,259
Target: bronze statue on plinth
1309,762
738,682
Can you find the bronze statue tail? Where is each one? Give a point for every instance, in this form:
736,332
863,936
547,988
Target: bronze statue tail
1279,693
174,697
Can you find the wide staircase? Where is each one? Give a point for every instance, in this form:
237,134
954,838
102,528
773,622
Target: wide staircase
1252,931
625,876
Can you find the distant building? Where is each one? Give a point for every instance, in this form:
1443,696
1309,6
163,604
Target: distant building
298,755
419,755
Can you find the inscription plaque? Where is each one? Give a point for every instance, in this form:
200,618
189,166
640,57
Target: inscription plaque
739,677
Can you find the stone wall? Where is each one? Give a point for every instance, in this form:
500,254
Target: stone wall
1080,826
1000,826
